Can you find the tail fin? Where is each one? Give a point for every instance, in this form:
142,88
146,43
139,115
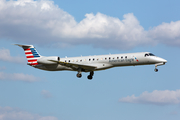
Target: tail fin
31,54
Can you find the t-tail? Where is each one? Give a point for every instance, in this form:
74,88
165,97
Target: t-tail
31,54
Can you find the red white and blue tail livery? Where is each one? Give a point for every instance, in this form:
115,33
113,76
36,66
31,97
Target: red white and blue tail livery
89,63
31,54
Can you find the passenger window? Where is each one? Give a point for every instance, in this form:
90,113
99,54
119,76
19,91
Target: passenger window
109,58
76,60
93,59
117,57
121,57
105,58
113,57
69,60
89,59
80,60
65,60
125,56
97,59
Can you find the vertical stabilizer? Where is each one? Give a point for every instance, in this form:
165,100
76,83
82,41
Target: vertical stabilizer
31,54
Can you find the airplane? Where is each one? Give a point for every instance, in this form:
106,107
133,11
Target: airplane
89,63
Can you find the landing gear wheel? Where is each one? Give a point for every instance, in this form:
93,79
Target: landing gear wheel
89,77
79,75
156,70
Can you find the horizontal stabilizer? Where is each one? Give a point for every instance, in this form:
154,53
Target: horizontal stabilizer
24,46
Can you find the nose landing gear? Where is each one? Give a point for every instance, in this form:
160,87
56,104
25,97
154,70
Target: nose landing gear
156,70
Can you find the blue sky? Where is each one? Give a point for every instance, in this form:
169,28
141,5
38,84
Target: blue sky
75,28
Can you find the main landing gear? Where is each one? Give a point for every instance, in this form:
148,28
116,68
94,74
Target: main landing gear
90,76
79,75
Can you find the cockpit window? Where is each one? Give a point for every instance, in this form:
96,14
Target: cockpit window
146,55
149,54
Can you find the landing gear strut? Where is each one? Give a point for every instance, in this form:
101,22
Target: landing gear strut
91,75
156,70
79,75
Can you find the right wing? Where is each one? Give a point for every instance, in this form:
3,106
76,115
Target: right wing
75,66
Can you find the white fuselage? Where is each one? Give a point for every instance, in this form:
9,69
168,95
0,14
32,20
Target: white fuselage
89,63
102,62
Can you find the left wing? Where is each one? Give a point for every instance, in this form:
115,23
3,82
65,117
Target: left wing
75,66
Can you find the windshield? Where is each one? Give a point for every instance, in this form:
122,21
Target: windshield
149,54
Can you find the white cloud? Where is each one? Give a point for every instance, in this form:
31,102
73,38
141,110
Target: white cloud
18,77
8,113
167,33
156,97
43,22
46,94
6,56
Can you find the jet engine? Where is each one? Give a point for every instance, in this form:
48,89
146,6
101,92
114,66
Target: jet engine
47,60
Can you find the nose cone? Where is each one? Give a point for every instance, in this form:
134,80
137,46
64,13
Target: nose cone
161,60
165,61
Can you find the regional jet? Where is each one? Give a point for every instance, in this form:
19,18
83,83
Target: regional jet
89,63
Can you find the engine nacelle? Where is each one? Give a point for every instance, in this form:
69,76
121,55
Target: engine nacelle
46,60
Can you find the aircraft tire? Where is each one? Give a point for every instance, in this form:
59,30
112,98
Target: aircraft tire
79,75
156,70
89,77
